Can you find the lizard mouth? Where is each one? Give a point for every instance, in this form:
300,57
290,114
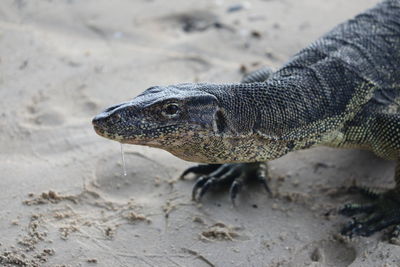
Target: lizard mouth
100,131
143,136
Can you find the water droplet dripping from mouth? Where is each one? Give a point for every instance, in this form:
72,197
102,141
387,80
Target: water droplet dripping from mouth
123,161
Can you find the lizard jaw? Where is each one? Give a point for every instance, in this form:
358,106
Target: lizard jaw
100,131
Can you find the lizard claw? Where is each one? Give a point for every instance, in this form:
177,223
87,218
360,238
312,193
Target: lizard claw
384,211
199,184
262,174
205,187
235,175
234,190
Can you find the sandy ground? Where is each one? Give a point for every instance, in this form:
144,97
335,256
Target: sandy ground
64,201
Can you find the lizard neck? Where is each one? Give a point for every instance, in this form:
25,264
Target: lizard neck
293,107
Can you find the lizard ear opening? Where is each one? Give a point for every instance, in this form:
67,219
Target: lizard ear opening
220,124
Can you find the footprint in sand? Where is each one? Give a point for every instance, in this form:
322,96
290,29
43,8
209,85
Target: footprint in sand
48,116
54,110
41,112
196,21
194,63
326,253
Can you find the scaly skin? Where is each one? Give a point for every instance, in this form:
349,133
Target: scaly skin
341,91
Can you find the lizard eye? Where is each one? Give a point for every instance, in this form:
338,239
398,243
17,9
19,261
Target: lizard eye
171,110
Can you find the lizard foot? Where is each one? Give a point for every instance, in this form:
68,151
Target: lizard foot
235,175
383,211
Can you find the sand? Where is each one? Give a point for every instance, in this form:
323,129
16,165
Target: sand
64,199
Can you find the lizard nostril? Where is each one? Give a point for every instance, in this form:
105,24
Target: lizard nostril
115,118
98,120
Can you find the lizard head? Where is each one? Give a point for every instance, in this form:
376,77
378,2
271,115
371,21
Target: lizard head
177,118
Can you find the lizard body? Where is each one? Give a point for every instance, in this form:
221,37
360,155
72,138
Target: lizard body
343,90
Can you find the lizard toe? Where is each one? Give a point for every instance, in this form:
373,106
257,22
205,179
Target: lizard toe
382,212
221,176
367,192
200,169
353,209
235,189
262,177
198,185
232,175
207,185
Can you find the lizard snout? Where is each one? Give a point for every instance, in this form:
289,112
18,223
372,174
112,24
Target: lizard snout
99,123
98,120
108,116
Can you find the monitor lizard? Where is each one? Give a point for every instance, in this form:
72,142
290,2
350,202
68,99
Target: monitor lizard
343,90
